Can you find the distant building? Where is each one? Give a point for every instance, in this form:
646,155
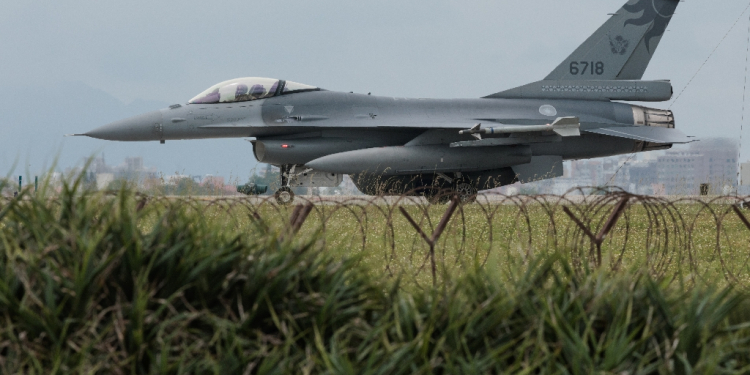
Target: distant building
99,175
719,165
745,173
710,161
133,170
744,188
98,165
134,164
679,171
642,177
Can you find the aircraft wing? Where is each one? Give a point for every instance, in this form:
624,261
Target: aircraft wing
644,133
226,126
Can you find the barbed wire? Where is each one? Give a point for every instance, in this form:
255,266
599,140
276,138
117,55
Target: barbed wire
700,238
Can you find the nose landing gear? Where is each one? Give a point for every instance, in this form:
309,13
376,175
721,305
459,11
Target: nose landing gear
285,195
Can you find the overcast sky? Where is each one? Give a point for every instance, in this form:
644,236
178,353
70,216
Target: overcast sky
69,66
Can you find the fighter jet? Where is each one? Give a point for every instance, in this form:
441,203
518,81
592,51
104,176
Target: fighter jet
392,145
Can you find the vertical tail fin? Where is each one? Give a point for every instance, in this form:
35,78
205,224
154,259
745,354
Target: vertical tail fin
622,48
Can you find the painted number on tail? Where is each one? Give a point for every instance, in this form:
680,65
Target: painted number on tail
587,67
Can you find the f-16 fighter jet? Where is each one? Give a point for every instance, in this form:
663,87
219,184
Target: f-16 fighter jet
422,146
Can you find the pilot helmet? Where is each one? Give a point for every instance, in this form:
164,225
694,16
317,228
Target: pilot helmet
241,90
257,90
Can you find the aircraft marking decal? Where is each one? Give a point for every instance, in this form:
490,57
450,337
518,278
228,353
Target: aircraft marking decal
648,12
619,45
587,67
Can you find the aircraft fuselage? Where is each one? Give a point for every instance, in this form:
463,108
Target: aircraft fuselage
365,121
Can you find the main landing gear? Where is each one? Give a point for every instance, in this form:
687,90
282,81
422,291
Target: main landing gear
285,195
458,185
466,192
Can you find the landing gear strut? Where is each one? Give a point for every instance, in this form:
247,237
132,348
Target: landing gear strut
285,195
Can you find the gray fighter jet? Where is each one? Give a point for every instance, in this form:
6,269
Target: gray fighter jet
422,146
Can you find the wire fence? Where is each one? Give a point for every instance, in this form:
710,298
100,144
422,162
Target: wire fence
698,238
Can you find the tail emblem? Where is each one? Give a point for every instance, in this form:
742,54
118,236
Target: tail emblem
619,45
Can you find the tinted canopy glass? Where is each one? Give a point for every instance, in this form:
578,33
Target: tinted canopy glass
246,89
238,90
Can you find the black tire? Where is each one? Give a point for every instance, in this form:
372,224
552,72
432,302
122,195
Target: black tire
466,192
284,196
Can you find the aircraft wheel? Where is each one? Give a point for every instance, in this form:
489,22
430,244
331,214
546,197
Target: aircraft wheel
466,192
284,196
439,196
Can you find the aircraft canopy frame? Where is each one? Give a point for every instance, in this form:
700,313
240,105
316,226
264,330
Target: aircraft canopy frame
248,89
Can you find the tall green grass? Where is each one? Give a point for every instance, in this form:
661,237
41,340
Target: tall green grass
101,284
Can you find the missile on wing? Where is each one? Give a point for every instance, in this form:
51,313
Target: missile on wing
563,126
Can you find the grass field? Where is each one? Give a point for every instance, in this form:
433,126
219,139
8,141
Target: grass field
690,240
122,283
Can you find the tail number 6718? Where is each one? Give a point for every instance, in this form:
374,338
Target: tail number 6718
587,67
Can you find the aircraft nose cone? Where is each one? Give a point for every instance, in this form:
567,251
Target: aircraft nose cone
145,127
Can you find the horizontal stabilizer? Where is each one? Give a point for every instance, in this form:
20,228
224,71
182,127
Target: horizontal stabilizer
645,133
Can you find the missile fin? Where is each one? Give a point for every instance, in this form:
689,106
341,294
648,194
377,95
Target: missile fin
567,126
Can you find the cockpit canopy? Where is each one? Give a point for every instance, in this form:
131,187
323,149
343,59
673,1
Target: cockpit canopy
249,88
